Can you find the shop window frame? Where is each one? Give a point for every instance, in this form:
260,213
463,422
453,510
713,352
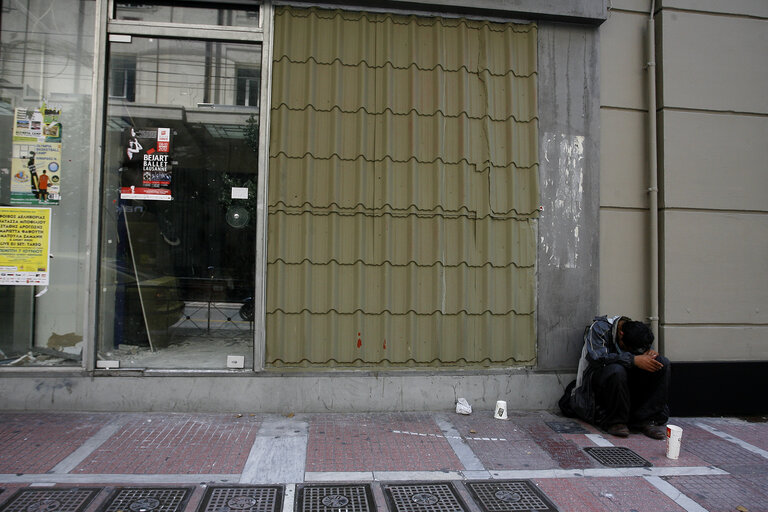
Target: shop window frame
110,29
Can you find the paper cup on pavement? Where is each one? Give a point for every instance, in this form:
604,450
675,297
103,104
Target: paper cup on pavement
674,437
500,413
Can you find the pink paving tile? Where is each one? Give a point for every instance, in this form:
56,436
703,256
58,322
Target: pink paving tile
755,434
711,449
35,443
723,493
655,451
176,443
378,442
502,444
562,449
606,495
700,448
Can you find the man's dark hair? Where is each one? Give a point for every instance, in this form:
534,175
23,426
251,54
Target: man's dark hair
638,337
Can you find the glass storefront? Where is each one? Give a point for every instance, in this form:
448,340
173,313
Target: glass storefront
134,193
179,205
178,178
46,79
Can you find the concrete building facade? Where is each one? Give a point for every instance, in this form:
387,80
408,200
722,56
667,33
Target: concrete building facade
310,207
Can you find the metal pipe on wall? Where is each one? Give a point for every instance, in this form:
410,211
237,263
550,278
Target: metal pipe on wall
653,190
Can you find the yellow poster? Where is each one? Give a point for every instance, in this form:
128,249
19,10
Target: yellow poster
25,236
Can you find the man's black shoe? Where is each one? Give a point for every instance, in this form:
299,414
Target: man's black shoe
653,431
618,430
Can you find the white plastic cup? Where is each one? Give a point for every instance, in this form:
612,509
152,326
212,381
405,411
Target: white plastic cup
674,438
500,413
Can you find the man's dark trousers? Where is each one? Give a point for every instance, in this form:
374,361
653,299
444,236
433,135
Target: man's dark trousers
632,396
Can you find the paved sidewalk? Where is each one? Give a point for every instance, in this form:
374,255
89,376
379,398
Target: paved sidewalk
410,462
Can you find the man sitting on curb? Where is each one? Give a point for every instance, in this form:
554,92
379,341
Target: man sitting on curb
621,382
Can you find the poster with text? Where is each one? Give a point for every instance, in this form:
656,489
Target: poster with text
147,167
25,237
36,156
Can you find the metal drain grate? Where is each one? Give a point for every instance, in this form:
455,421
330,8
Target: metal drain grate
73,499
148,499
566,427
617,457
439,497
328,498
248,498
509,495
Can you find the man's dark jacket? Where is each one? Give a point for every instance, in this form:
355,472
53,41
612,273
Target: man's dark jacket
600,349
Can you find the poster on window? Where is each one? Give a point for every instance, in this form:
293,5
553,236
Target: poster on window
25,236
147,168
36,156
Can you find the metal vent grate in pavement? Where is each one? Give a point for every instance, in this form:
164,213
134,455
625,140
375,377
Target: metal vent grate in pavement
148,499
617,457
437,497
246,498
566,427
50,500
509,495
330,498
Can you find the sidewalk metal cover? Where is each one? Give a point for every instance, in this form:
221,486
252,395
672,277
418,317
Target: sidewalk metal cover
330,498
51,500
617,457
436,497
249,498
148,499
509,495
566,427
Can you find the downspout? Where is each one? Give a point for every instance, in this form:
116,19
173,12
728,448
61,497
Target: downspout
653,190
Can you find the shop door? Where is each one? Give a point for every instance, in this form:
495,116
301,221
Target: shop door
179,203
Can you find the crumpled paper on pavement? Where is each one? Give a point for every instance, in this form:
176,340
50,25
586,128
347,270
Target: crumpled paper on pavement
463,407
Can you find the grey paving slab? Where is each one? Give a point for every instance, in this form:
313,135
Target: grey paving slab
278,453
460,447
90,445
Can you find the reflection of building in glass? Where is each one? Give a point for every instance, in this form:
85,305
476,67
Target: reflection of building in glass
248,86
122,78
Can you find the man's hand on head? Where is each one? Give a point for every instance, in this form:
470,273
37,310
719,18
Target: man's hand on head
648,361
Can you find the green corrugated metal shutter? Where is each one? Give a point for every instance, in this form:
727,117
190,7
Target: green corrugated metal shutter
403,191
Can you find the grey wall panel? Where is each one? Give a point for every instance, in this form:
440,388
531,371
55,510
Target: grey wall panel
714,62
715,268
623,158
569,169
714,161
713,343
624,284
265,393
740,7
622,80
643,6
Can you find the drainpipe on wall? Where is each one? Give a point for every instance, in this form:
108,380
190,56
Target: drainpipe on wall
653,190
